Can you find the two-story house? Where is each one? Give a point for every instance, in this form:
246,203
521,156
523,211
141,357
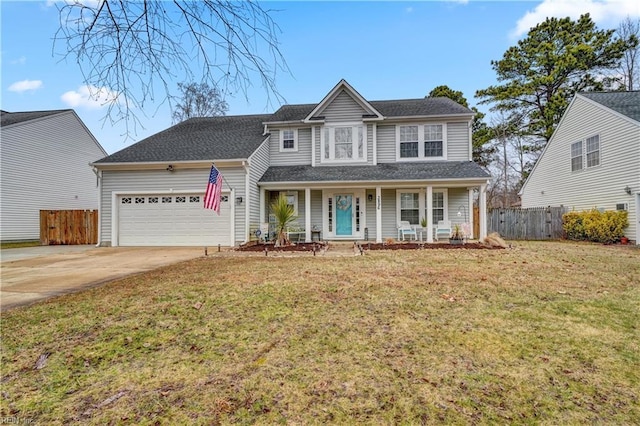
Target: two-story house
351,168
592,159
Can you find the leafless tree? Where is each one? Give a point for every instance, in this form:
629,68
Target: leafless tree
136,50
629,69
198,100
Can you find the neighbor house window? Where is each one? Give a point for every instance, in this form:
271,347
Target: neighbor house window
593,151
410,207
409,141
343,143
576,156
289,140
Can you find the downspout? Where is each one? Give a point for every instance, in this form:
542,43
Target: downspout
98,174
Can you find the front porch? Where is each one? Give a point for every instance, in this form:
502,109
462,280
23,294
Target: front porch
373,213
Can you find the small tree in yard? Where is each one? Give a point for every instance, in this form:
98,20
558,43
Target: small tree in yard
284,215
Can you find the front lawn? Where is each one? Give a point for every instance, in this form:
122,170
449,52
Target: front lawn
541,333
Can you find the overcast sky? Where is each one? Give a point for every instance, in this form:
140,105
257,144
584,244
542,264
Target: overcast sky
385,50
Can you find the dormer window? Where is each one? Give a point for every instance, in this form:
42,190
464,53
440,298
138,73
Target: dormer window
343,143
288,140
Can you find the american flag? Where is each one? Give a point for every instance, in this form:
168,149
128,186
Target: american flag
214,189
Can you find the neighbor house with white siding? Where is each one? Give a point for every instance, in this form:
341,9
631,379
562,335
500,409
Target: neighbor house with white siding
45,165
592,159
351,168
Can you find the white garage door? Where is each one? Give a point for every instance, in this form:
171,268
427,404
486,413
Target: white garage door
172,220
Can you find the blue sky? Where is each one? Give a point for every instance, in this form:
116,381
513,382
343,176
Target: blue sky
385,50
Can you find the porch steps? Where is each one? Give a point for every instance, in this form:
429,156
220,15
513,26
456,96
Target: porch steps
342,248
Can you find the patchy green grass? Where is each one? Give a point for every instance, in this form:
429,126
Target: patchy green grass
542,333
18,244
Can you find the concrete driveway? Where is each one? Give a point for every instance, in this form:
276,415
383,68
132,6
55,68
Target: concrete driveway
37,273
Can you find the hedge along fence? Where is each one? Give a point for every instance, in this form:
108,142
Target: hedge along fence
593,225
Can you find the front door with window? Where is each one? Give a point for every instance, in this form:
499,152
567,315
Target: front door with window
344,214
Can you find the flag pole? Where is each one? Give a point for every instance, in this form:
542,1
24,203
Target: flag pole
223,178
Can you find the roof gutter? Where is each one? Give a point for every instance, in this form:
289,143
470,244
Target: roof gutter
156,165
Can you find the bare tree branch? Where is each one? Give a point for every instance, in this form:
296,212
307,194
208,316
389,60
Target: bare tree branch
137,50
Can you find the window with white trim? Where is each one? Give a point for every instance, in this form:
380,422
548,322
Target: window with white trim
288,140
410,207
409,142
343,143
576,156
593,151
585,153
433,140
291,196
421,141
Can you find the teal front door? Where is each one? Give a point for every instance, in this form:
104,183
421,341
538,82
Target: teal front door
344,214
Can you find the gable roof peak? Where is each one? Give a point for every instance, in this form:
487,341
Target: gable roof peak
337,89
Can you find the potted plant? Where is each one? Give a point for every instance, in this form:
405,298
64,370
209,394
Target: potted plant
423,222
456,236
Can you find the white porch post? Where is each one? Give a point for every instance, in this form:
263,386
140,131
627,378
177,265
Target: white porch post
430,224
378,214
263,205
307,214
483,212
470,210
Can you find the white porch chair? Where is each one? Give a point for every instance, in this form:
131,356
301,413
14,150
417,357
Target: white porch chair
443,230
404,229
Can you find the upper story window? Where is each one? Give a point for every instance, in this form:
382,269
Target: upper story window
576,156
593,151
426,141
585,153
288,140
342,143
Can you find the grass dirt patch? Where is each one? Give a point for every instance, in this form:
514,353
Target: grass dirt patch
539,333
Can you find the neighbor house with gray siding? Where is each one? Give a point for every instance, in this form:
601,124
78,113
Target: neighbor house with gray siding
592,159
45,165
351,168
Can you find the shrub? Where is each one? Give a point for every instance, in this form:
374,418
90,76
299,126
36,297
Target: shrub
596,226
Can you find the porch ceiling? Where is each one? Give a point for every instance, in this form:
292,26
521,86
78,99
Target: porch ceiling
388,172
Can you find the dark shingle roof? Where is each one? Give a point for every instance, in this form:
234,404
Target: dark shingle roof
210,138
9,118
393,108
626,103
381,172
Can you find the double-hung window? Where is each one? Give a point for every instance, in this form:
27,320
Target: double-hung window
593,151
433,140
585,154
576,156
288,140
409,142
410,207
343,143
421,141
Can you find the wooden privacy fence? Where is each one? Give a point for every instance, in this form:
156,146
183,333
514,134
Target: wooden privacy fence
69,227
540,223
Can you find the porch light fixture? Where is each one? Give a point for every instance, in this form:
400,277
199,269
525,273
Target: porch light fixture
370,197
170,168
462,207
627,189
238,200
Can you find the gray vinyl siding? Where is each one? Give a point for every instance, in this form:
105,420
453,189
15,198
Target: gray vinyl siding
258,164
458,141
389,219
342,109
300,157
386,144
370,208
161,181
458,197
316,208
45,166
552,183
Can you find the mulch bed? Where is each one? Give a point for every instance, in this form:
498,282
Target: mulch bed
318,246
